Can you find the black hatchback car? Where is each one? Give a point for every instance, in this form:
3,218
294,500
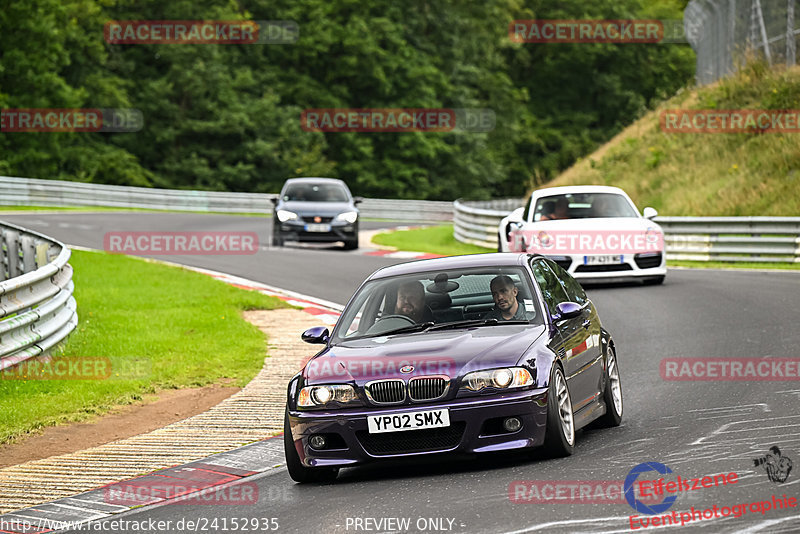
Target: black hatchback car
318,210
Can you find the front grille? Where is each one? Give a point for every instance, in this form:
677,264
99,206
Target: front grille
429,439
603,268
427,388
386,391
648,260
310,219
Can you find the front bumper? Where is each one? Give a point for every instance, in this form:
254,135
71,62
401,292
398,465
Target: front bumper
633,267
469,431
296,231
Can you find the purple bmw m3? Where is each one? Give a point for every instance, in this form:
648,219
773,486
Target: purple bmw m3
465,354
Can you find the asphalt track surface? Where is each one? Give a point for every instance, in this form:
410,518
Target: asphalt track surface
695,428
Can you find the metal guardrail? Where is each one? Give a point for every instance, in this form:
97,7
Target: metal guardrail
37,309
60,193
736,239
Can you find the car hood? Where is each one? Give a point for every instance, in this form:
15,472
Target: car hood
451,352
325,209
603,223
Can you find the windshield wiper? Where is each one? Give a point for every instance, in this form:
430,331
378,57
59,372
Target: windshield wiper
473,322
405,329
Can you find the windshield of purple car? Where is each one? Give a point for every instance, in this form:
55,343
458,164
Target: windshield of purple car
441,297
582,206
307,192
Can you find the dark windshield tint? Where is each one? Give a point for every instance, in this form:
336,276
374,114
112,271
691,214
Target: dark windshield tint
316,193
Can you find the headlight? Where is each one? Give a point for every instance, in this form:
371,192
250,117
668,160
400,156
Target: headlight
348,216
511,377
284,215
319,396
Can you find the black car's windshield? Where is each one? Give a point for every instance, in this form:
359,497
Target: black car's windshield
310,192
439,300
582,206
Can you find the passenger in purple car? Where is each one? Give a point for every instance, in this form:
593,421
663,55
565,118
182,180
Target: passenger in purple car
506,305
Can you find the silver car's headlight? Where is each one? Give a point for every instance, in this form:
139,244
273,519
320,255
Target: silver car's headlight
510,377
348,216
285,215
320,396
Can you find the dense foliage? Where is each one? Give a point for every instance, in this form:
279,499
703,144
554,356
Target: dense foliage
227,117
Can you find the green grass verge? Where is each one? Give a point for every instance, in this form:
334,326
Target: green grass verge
434,240
698,174
733,265
161,327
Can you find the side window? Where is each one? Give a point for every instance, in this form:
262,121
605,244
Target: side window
571,286
548,282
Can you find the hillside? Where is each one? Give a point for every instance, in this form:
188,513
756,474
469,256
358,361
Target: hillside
707,173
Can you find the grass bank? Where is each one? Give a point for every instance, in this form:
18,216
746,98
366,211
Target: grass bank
160,327
696,174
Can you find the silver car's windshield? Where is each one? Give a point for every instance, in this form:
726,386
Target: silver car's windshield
413,303
582,206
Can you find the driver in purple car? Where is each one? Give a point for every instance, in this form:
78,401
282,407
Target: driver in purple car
411,302
506,305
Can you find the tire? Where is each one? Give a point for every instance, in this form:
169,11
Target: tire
559,440
277,240
655,281
612,396
297,470
351,244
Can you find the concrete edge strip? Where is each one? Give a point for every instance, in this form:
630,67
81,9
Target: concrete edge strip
184,484
237,464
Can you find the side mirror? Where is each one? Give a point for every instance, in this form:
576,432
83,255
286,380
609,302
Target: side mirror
567,310
275,200
516,215
316,335
358,200
650,213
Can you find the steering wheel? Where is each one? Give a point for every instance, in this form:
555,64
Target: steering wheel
398,316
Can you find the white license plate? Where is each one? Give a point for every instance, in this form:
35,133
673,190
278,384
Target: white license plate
408,421
318,228
601,260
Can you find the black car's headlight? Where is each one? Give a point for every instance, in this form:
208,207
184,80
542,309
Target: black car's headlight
322,396
506,378
348,217
286,215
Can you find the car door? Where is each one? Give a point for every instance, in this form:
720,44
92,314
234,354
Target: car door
588,352
569,331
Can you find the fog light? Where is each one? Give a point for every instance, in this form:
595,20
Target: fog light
512,424
317,441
